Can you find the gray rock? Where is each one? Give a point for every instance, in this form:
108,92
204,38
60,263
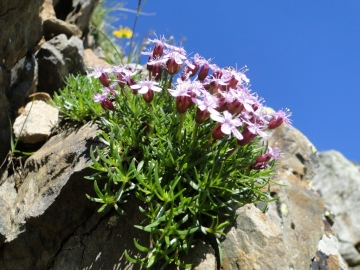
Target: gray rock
255,242
35,123
53,27
20,26
24,79
79,13
299,210
328,254
338,181
58,58
50,204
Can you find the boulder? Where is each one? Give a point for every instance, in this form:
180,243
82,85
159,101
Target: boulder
58,58
337,180
35,123
49,204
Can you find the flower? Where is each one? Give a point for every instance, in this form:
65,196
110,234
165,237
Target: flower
105,103
101,74
261,161
147,89
278,118
145,86
123,32
228,124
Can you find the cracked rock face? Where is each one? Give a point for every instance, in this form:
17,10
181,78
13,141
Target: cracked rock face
50,203
57,58
338,181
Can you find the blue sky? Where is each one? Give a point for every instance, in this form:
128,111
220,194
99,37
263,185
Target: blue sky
302,55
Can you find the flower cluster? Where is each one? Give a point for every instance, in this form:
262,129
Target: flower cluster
221,94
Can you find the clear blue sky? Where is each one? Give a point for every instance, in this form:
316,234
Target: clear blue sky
302,55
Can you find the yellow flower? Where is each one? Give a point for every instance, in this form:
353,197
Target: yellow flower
123,32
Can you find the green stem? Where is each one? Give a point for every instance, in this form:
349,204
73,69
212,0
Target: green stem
182,118
170,82
232,152
194,135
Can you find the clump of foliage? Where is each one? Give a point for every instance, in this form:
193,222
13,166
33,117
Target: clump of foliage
75,101
187,139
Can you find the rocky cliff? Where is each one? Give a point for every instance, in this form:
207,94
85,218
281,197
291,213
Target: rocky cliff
46,222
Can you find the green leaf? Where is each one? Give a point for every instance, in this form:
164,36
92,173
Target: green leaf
140,247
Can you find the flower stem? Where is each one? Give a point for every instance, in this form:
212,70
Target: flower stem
170,82
232,152
194,135
182,118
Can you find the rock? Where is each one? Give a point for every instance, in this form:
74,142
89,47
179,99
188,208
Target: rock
20,26
299,210
47,10
50,205
254,242
336,181
58,58
53,27
24,79
328,254
36,122
92,60
77,12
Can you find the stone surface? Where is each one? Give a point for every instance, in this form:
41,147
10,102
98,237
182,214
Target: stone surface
77,12
58,58
338,181
49,205
53,27
299,210
35,123
20,26
24,79
328,254
92,60
254,242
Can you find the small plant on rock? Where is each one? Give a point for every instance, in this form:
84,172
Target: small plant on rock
188,139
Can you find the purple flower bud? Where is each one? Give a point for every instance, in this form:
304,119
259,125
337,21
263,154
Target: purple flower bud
183,103
217,133
106,104
172,66
201,116
203,72
235,107
263,158
148,96
275,122
259,166
223,105
156,72
104,79
158,50
248,137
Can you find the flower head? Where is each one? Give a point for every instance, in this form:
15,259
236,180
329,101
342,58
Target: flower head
228,124
146,85
278,118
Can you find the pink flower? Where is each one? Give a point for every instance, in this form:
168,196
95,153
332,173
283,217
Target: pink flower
145,86
101,74
278,118
228,124
105,103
